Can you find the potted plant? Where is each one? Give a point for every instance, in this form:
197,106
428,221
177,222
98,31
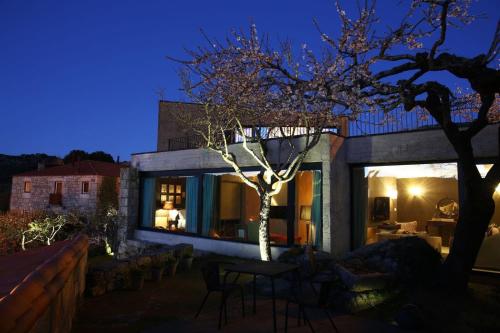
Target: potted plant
137,278
171,265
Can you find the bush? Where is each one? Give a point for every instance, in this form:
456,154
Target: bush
43,230
12,226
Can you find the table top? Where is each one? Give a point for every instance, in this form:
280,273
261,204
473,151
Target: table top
266,268
442,222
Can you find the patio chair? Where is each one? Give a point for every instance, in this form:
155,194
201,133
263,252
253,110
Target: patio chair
309,300
211,276
314,274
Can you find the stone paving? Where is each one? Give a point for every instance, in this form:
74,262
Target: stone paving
170,305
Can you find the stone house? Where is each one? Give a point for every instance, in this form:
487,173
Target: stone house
64,188
353,189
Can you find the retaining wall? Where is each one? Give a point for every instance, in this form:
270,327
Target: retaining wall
46,299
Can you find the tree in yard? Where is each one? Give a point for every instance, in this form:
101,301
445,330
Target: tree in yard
364,67
396,68
43,230
244,102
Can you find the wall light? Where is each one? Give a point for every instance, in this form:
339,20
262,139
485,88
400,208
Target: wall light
497,190
392,193
416,191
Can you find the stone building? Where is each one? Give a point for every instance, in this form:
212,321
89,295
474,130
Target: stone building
353,189
69,187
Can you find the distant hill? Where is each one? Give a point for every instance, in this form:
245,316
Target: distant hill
11,165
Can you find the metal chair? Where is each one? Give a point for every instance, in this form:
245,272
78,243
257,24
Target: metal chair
310,300
211,276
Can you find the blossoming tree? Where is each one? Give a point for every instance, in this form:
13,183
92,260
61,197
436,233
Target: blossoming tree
276,120
386,69
365,66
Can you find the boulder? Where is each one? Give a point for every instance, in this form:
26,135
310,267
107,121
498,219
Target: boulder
362,282
411,260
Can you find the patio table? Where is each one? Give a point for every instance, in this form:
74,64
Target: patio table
269,269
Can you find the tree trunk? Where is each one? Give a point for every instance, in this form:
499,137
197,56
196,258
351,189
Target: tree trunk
264,241
476,207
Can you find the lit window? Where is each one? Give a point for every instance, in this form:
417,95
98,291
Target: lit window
27,187
85,187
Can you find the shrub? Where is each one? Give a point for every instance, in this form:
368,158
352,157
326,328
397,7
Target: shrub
43,230
12,226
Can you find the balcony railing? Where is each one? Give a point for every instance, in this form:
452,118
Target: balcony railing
366,124
196,141
55,199
399,120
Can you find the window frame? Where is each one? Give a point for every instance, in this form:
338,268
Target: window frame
27,186
310,166
56,182
85,182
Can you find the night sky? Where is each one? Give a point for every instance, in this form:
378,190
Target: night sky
84,74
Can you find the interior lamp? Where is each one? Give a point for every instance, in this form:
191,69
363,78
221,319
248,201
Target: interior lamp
163,215
161,218
305,215
416,191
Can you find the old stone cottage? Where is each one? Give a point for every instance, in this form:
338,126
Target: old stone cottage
69,187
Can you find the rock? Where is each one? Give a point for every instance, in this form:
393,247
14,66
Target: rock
352,302
410,259
410,317
365,281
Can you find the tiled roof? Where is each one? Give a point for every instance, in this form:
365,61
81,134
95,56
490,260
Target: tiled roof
78,168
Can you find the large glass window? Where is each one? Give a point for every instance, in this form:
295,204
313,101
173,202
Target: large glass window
237,211
415,200
308,226
164,201
222,206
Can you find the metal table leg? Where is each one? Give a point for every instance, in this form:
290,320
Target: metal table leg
274,305
254,292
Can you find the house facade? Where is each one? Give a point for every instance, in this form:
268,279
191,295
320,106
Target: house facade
351,190
64,188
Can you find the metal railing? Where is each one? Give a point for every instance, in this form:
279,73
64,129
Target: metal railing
399,120
366,124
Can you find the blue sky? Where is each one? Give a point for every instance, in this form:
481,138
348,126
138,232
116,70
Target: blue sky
84,74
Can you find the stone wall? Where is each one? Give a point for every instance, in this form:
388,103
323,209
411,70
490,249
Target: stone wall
129,208
46,300
168,125
42,186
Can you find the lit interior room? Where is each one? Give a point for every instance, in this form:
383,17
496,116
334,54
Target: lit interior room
170,198
421,200
222,206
